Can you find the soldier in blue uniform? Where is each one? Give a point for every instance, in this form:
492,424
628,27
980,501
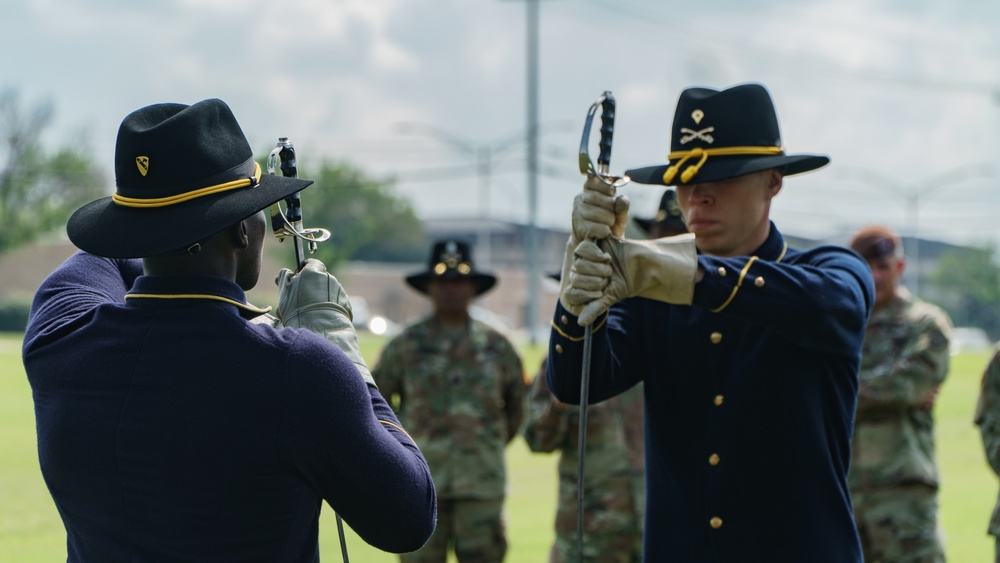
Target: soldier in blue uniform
172,425
748,349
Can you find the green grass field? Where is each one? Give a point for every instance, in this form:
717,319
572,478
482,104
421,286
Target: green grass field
30,529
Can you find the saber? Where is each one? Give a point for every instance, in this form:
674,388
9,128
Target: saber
289,224
607,104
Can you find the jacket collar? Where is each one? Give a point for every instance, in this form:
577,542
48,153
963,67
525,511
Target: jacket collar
774,248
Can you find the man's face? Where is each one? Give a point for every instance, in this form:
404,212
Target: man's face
248,266
451,296
730,217
886,271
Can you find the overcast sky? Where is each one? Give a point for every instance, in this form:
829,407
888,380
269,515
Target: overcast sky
904,95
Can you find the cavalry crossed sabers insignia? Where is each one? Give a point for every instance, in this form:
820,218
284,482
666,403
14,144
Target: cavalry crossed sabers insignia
691,135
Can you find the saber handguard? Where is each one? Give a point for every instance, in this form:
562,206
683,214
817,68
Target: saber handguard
606,102
288,223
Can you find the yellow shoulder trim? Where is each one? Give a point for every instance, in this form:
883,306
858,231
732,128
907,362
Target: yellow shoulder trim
784,249
597,325
739,282
400,428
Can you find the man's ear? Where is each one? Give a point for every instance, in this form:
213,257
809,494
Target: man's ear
239,235
775,181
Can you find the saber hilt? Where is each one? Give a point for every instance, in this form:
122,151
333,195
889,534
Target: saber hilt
607,133
606,103
293,203
288,223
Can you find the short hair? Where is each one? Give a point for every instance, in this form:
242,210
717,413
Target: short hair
875,242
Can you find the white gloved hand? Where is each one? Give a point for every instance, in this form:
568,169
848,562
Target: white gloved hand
661,269
313,299
598,213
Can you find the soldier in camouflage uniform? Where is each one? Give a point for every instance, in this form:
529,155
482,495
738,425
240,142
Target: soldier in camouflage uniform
894,476
458,386
988,420
614,494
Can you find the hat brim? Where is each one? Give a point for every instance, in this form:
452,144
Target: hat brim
107,229
718,168
644,224
647,224
483,282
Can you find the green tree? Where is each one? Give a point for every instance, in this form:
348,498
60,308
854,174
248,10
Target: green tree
38,190
366,219
968,282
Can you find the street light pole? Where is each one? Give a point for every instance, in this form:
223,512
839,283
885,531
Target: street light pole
534,276
484,155
484,170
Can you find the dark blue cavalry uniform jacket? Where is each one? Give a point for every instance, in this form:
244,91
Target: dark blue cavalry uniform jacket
750,396
171,429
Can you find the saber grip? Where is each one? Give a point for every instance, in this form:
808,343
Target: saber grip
287,156
289,169
607,132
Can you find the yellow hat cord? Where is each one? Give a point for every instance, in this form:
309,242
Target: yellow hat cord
703,154
180,198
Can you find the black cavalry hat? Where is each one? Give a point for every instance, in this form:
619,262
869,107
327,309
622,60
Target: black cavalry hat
183,173
451,259
669,214
717,135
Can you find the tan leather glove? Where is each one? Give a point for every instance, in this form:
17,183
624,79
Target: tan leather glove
661,269
314,300
585,273
599,213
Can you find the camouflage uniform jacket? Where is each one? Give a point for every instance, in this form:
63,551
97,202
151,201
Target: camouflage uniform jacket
614,495
988,420
460,398
903,362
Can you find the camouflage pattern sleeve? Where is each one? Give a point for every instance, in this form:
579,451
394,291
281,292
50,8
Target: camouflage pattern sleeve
514,390
546,425
988,419
387,375
988,411
905,359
